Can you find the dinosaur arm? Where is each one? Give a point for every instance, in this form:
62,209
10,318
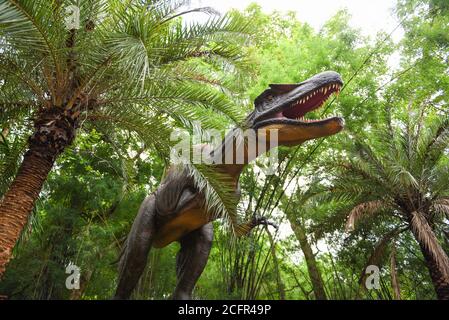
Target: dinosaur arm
243,229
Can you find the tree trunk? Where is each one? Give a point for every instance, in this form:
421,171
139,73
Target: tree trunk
312,267
18,202
279,282
54,130
394,275
84,281
436,259
439,279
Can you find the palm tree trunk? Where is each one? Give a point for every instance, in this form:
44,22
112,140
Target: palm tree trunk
436,259
394,275
18,202
312,266
439,278
54,130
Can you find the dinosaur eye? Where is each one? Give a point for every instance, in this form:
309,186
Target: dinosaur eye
270,97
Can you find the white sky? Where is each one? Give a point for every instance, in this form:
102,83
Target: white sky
368,15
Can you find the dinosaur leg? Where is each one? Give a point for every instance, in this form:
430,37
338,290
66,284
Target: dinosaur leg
134,256
191,260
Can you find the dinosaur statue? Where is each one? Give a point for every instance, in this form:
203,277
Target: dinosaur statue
176,210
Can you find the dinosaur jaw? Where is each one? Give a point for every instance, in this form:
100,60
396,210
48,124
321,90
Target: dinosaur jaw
292,132
290,122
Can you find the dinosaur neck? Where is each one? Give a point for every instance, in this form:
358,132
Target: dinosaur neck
237,150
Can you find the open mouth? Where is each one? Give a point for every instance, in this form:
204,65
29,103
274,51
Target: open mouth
294,111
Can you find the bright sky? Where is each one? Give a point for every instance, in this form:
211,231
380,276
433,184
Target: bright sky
368,15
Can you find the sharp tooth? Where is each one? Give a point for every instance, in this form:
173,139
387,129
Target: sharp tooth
325,90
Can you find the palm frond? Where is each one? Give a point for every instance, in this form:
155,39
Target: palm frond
427,237
176,9
362,210
434,141
220,198
394,275
136,49
184,102
151,129
30,25
441,206
11,151
18,81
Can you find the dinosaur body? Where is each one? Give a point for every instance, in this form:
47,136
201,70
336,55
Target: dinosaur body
176,210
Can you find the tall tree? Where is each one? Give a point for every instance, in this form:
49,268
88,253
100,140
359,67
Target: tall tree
122,64
400,177
297,211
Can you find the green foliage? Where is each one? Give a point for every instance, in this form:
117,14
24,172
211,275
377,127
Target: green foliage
150,72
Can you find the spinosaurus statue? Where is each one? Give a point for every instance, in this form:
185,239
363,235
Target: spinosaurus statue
176,210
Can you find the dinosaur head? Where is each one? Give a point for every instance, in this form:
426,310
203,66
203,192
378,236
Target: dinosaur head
284,107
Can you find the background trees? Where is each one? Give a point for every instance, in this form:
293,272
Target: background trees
385,176
400,179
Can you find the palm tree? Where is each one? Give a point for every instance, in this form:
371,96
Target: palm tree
401,174
115,65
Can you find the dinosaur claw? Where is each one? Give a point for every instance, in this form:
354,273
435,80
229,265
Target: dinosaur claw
258,220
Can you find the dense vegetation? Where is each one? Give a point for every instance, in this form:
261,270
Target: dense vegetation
375,194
